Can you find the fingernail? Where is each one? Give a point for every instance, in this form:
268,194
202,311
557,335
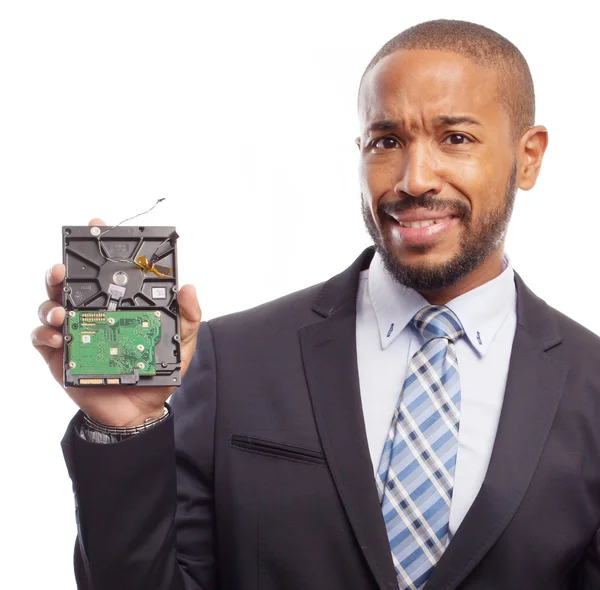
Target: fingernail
48,273
49,317
57,339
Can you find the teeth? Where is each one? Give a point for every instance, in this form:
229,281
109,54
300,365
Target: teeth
417,223
424,223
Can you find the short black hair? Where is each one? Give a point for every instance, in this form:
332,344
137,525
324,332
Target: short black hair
485,48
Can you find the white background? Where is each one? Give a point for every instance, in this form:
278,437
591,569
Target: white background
242,114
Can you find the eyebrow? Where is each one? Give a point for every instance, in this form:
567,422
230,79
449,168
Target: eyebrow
383,126
446,121
386,125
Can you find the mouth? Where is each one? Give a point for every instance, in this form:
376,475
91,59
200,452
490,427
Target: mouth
425,222
420,227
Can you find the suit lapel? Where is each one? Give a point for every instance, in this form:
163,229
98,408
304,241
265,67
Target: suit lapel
533,392
330,364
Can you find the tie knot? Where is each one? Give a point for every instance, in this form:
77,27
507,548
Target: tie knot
437,321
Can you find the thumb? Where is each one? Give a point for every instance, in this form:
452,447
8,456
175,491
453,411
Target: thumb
189,312
96,221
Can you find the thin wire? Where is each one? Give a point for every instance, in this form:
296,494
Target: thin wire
99,237
130,218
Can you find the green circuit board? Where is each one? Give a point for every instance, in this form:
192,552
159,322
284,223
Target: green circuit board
113,342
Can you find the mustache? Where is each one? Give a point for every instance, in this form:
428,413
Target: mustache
458,208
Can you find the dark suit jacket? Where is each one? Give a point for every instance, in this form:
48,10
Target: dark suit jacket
263,480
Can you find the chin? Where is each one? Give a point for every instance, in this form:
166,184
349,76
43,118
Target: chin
425,271
423,255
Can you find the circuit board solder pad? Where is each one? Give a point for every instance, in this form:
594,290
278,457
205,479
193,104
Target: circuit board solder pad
113,342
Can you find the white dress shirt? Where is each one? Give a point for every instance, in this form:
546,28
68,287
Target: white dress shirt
386,342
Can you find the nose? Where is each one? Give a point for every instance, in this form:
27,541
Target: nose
417,172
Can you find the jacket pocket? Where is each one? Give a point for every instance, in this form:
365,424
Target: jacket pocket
280,450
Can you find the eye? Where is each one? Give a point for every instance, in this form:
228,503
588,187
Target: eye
457,139
385,143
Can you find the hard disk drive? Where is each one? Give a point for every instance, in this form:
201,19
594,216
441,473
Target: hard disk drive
120,296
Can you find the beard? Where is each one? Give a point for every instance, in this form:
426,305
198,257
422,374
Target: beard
478,240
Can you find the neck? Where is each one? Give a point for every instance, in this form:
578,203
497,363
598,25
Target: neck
485,272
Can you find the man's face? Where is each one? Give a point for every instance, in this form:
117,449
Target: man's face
437,168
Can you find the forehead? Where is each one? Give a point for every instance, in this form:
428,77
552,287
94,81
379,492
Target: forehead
411,85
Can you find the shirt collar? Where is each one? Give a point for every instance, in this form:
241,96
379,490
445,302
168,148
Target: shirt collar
481,310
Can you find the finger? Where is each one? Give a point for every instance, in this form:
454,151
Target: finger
96,221
54,279
46,336
189,312
51,313
47,340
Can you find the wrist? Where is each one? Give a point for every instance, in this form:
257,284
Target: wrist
110,420
134,427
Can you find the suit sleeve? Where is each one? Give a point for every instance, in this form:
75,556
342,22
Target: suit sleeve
144,506
589,570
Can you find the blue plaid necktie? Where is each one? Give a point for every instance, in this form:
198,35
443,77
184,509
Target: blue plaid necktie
416,472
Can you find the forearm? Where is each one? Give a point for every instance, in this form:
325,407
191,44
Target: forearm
126,497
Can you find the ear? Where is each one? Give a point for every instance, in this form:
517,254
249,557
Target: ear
530,153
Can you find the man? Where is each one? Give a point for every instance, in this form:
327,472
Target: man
420,420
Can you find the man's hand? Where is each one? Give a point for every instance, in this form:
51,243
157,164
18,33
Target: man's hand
113,406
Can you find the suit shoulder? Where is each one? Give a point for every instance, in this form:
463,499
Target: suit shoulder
578,337
293,309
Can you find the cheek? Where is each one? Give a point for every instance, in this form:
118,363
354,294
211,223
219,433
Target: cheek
479,183
377,180
487,177
490,194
